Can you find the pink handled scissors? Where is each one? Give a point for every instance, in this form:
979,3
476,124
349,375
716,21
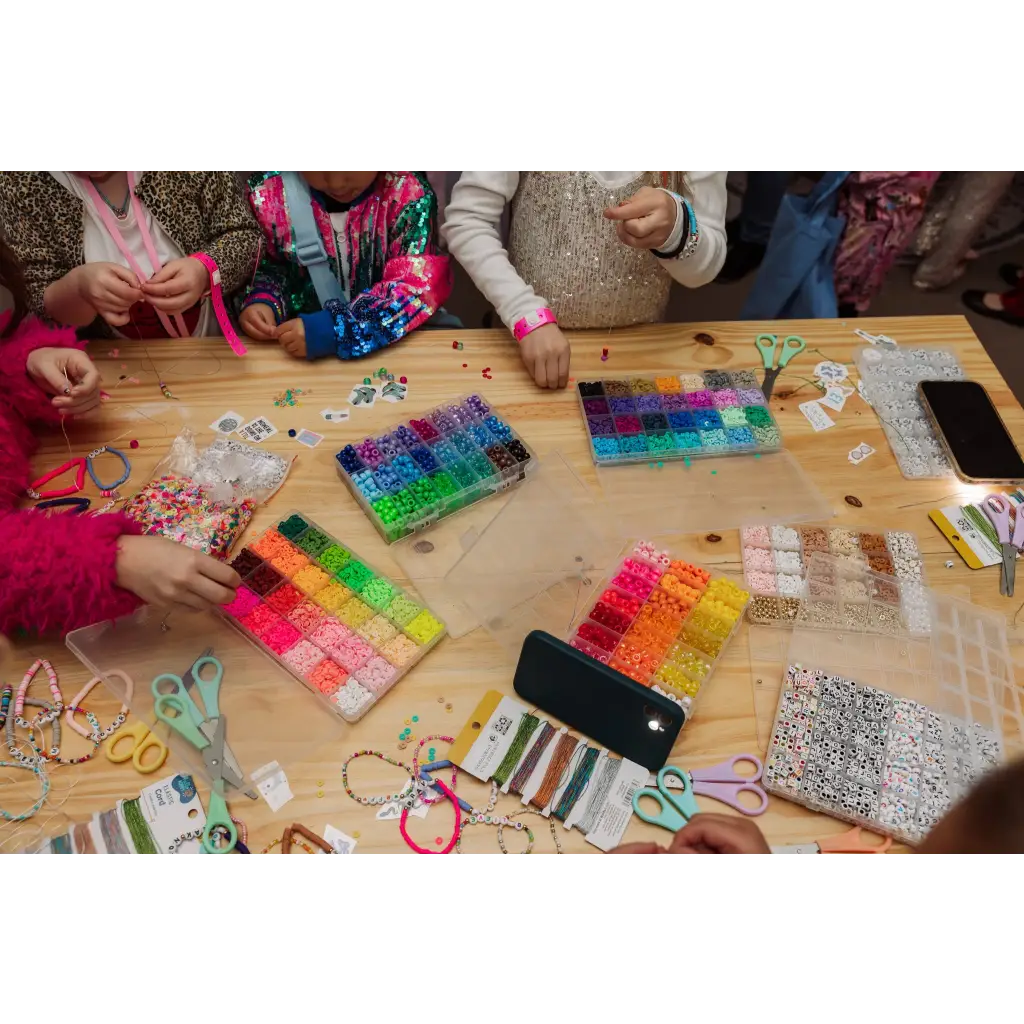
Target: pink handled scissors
997,508
720,782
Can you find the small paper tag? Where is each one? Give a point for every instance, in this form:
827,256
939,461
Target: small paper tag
335,415
875,339
816,416
617,811
310,438
393,391
168,808
257,430
227,423
863,394
363,395
272,783
835,397
860,453
831,372
340,842
495,737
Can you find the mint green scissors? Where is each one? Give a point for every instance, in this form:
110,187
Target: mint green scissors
205,731
767,345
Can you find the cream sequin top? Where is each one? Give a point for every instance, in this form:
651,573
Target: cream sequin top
564,254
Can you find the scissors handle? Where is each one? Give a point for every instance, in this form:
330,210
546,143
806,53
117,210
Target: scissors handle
209,689
766,344
792,346
850,842
997,508
179,721
676,806
726,771
142,740
177,689
728,793
218,817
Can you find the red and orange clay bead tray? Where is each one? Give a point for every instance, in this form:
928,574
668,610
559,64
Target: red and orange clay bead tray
340,627
662,622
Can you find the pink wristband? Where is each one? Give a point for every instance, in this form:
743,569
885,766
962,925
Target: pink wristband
530,322
217,297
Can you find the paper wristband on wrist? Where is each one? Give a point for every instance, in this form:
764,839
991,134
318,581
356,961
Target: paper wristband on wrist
530,322
217,297
690,237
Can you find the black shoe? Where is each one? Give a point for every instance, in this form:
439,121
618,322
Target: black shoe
1010,273
973,300
743,258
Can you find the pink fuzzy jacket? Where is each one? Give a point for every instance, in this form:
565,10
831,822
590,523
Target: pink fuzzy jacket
56,573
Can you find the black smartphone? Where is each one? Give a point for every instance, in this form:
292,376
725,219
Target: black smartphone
972,431
601,703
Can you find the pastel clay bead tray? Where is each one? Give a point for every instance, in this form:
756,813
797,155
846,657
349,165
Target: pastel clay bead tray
662,622
676,416
411,475
320,611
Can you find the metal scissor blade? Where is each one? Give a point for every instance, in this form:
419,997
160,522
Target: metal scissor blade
768,385
187,679
232,773
1010,568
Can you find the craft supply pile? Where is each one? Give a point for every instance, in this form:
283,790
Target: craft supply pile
891,700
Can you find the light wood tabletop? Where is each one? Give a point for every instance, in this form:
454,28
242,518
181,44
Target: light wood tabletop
207,380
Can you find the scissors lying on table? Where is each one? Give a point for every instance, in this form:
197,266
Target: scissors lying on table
678,788
205,731
997,507
766,345
848,842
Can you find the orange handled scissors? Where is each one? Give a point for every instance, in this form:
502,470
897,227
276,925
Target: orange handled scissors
141,740
848,842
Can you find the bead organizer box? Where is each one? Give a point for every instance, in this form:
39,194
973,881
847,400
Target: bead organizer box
890,379
775,560
637,419
415,473
340,627
662,622
867,756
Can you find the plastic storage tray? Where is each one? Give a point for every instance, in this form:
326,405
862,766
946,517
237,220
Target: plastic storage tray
661,622
775,561
890,377
418,472
320,611
637,419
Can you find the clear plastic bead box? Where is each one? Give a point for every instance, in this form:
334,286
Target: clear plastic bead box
676,416
890,377
411,475
317,608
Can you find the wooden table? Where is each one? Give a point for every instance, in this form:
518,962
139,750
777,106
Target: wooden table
206,380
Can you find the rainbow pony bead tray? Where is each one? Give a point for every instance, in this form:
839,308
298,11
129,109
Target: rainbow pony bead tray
637,419
320,611
418,472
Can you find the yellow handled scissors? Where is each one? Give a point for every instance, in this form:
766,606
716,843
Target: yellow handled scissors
767,345
141,740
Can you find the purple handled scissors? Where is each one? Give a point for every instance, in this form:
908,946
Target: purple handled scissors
720,782
997,508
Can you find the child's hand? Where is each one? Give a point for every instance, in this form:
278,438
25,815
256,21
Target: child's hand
108,288
70,375
170,575
258,322
292,337
709,833
545,353
178,285
645,220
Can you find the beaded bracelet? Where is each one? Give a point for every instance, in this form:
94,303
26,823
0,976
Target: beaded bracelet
107,490
455,834
487,819
301,830
44,782
294,841
510,820
53,754
12,742
26,680
129,687
184,838
370,801
434,798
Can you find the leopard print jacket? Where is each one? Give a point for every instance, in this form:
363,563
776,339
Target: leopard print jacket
201,211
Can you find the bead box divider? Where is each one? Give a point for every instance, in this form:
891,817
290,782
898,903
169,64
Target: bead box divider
411,475
315,593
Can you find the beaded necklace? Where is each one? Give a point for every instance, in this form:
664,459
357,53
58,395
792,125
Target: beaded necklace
108,490
416,770
44,783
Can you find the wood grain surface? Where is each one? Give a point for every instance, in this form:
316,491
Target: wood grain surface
206,380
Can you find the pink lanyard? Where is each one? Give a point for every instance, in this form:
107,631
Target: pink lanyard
110,223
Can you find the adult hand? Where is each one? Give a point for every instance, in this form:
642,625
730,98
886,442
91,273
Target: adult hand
719,833
292,337
258,322
178,285
545,353
646,219
108,288
170,575
70,375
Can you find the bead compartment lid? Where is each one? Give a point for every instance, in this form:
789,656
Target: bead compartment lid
674,416
344,630
408,476
890,378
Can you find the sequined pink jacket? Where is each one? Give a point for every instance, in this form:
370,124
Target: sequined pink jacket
56,573
387,256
